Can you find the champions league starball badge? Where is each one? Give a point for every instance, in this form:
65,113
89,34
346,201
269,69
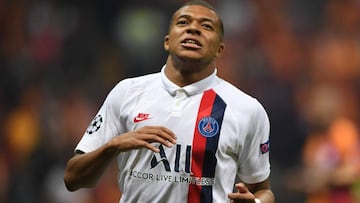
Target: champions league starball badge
208,127
94,125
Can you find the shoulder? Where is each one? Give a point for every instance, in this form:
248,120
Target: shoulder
138,82
239,102
234,96
130,84
128,87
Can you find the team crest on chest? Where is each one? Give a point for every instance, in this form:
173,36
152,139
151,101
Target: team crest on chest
208,126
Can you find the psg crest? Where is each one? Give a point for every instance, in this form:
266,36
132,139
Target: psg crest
208,126
94,125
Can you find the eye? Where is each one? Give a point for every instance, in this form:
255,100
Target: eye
182,22
207,26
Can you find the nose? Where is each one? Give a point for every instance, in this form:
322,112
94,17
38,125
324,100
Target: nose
193,29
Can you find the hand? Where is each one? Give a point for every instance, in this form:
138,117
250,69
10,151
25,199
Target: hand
143,137
243,195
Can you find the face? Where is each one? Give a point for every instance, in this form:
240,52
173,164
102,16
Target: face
194,35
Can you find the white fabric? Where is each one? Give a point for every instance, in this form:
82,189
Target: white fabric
154,100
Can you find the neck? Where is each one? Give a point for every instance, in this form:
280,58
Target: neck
183,73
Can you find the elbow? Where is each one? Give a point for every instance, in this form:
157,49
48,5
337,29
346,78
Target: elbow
71,188
73,183
70,184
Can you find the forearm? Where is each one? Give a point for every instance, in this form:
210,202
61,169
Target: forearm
84,170
266,196
262,191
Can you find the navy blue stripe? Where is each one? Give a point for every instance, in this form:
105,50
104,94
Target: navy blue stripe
210,160
177,158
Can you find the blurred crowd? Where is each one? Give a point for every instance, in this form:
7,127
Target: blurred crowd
299,58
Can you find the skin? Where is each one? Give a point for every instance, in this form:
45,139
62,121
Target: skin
85,169
194,42
187,62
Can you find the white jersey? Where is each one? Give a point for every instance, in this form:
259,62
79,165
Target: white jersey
221,132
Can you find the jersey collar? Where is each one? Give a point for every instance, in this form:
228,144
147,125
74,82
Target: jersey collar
192,89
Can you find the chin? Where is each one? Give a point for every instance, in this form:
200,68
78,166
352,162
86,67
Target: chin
191,58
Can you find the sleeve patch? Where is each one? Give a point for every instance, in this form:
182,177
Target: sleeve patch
94,125
265,147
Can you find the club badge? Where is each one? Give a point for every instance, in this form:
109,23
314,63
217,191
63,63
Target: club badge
208,126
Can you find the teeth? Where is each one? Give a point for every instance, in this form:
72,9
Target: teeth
190,41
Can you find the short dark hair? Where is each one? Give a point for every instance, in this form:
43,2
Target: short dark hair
199,3
206,5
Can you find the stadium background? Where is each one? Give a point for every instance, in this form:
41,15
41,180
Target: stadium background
59,59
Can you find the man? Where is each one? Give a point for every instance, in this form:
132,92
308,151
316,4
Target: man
181,135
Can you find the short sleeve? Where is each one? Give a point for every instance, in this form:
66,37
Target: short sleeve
105,125
254,163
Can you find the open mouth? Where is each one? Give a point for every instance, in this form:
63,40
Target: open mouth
191,43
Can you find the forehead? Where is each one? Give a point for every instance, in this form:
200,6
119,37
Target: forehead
197,11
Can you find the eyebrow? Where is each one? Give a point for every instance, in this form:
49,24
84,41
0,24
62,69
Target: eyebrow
200,19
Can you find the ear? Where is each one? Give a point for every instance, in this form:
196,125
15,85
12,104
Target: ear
220,50
166,43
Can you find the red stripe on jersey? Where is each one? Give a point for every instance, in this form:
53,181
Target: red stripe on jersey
199,146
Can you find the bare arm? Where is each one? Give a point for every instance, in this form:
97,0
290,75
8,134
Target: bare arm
248,192
85,169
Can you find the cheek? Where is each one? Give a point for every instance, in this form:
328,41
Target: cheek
170,44
214,49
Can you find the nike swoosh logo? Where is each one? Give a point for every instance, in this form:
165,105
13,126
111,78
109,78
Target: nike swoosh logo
136,119
141,117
